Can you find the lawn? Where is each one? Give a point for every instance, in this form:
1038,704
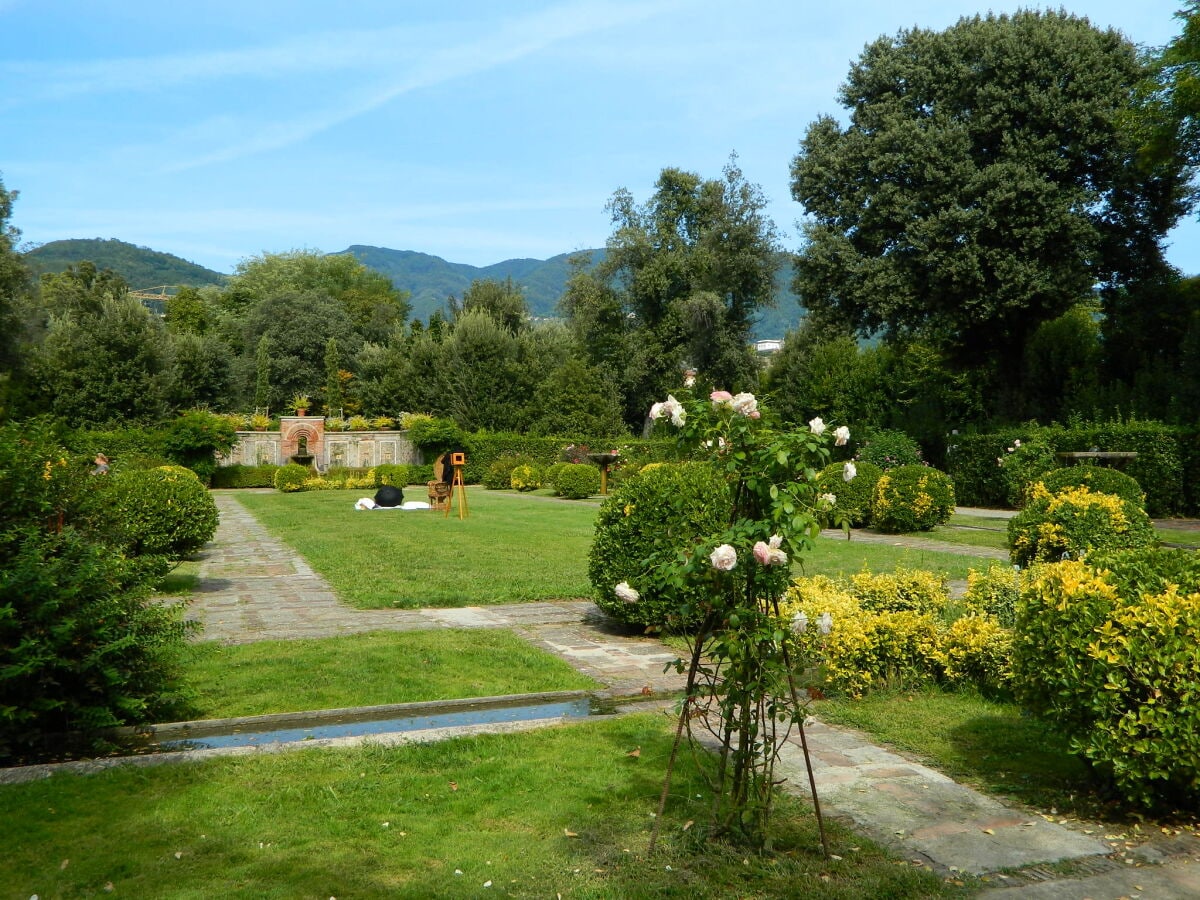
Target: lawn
369,670
507,550
561,811
510,548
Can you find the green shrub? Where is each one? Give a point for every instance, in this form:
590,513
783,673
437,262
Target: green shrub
195,438
526,478
499,471
853,496
912,498
1075,521
163,512
577,482
1024,463
394,474
889,449
550,475
1105,650
994,592
244,476
82,646
1099,479
650,518
972,462
291,477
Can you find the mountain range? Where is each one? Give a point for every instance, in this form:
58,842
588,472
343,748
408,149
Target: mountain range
429,280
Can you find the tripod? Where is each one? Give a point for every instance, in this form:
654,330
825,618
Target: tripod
457,482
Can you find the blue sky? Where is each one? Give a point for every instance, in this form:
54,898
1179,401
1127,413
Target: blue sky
477,131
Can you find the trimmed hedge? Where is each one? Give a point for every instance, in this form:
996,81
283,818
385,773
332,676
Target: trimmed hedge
163,511
244,476
1159,467
1097,479
853,496
653,516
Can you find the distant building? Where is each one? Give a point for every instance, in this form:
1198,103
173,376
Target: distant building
768,347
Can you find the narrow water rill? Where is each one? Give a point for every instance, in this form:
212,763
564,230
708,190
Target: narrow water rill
362,722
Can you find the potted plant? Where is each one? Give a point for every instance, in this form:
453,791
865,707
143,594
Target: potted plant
301,403
359,423
260,422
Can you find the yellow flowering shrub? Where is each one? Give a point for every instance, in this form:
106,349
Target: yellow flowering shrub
912,498
1074,521
903,589
994,592
864,649
1106,650
977,650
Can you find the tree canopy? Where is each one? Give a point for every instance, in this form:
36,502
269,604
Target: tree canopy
680,283
983,185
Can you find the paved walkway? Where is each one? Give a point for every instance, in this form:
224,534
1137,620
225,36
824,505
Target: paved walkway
255,588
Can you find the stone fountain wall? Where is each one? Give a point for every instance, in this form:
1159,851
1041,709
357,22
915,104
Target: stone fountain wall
328,448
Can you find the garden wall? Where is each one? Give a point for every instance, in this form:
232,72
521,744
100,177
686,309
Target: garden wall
297,434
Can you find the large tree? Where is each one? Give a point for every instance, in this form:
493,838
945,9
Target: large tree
375,307
683,275
984,184
14,281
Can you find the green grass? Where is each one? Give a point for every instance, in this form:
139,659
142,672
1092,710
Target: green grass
838,557
180,581
1188,537
986,744
508,549
557,811
369,669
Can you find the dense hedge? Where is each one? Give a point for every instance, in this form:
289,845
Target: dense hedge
244,476
1159,468
854,496
164,511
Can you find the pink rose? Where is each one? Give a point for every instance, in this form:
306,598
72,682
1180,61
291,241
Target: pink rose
720,398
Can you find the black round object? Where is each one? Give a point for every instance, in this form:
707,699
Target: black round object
389,495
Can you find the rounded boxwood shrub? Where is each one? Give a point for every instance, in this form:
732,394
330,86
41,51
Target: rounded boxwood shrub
853,496
1099,479
163,512
657,513
890,449
903,590
1105,650
577,482
550,475
291,477
1075,521
526,477
244,476
912,498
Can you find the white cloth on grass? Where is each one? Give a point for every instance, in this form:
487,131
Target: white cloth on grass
368,503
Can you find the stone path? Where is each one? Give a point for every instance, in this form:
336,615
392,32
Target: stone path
255,588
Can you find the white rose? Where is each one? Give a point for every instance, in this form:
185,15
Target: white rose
849,471
842,433
744,404
828,501
626,593
723,558
816,426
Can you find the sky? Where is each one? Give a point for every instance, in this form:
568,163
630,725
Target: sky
477,131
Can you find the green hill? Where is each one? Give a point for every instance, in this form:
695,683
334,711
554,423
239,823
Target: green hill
141,267
430,280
